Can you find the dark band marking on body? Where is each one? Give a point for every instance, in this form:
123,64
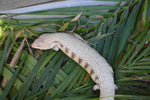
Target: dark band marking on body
56,42
66,50
73,55
96,78
86,65
91,72
80,60
61,46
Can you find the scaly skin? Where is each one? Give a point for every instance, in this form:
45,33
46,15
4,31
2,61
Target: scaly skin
97,67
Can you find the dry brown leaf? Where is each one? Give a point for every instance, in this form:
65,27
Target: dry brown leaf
98,16
11,45
76,17
4,83
14,61
16,56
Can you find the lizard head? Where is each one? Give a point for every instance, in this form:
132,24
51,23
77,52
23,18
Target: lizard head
44,42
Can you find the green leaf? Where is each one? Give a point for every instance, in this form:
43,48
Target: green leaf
4,53
29,80
128,28
12,80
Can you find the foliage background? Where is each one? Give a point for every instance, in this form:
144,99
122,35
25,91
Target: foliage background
121,33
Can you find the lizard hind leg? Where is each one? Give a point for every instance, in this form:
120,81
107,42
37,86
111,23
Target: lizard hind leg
96,87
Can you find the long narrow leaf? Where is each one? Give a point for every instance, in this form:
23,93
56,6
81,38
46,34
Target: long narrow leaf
4,53
30,79
12,80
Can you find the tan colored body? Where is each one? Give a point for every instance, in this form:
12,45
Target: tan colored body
97,67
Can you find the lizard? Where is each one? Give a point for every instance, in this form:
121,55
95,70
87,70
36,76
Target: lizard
87,57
